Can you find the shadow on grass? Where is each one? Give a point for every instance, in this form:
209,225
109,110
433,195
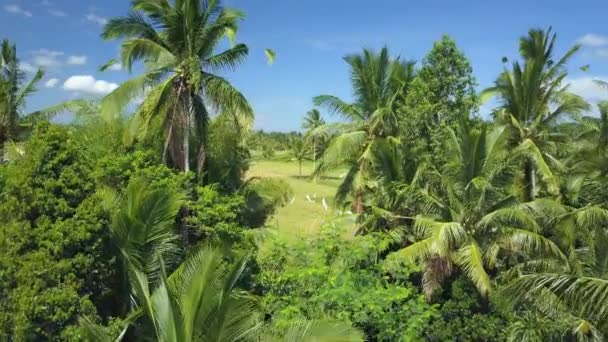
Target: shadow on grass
321,178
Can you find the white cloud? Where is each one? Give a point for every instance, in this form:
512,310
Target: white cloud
602,52
51,83
94,18
88,84
16,9
321,45
46,3
46,58
77,60
57,13
592,39
115,67
589,89
27,67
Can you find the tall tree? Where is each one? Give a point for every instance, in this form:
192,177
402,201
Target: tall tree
469,221
442,93
312,121
142,227
380,84
533,97
298,150
574,293
178,42
14,90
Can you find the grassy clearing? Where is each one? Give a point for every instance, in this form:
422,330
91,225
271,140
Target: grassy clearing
301,215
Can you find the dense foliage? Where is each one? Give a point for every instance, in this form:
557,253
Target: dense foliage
448,226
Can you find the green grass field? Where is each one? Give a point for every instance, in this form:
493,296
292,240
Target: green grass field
300,215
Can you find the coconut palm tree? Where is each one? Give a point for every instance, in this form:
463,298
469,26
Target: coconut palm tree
14,91
533,97
197,302
380,85
312,121
178,42
468,219
587,159
298,150
575,293
142,227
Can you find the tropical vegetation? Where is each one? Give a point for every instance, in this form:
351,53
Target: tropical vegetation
143,221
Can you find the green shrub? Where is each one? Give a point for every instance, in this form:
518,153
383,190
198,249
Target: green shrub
262,198
328,276
54,260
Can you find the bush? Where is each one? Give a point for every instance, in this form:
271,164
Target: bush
327,276
215,217
465,316
54,260
262,198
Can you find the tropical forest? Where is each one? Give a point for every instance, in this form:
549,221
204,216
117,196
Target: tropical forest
418,204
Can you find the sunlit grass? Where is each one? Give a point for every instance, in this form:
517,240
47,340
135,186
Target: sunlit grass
305,213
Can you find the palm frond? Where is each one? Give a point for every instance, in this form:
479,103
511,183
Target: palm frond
470,259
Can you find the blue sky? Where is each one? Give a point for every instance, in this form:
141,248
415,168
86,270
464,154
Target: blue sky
310,37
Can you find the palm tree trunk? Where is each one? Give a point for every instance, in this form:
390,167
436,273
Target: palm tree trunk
314,154
201,158
300,168
529,181
358,203
187,117
167,140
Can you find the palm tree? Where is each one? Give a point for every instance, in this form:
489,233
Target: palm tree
142,227
588,158
312,121
533,98
298,150
469,220
178,42
197,302
14,91
575,293
317,330
380,85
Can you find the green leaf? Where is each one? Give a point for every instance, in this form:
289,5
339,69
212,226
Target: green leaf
270,56
109,64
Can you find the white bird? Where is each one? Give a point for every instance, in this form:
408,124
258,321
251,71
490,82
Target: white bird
308,199
324,204
292,200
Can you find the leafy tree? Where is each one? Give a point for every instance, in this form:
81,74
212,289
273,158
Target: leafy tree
178,43
380,84
312,121
534,97
216,217
55,260
441,94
